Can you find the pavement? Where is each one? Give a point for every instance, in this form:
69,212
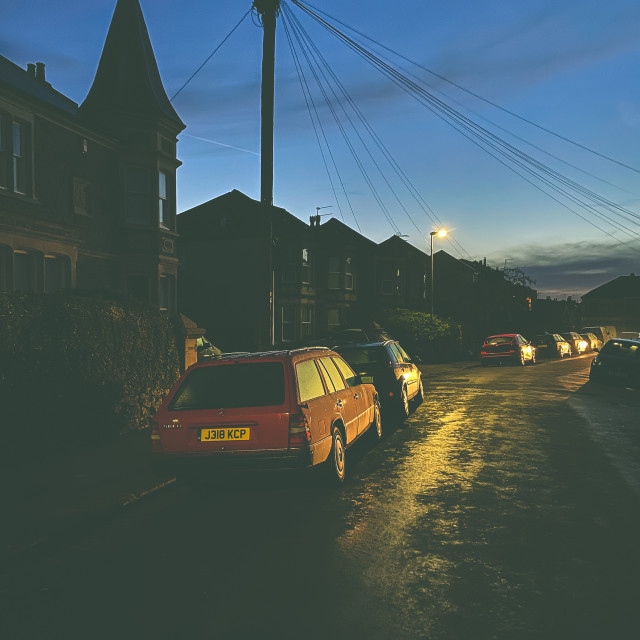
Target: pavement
43,502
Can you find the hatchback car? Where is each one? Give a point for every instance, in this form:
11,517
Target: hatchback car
288,409
593,342
577,343
551,345
393,373
509,347
617,362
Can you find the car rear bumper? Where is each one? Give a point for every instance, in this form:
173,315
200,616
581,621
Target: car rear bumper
207,462
505,355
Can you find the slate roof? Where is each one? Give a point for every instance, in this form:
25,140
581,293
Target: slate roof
620,287
20,80
127,80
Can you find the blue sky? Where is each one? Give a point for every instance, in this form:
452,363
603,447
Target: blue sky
570,67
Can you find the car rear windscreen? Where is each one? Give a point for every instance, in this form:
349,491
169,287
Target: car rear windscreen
233,385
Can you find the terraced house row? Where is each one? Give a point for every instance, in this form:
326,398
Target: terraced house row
88,201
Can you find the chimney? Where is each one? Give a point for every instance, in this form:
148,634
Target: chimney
485,262
31,70
40,71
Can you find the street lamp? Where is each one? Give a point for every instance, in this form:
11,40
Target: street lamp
441,234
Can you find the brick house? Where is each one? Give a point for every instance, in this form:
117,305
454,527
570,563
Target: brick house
87,193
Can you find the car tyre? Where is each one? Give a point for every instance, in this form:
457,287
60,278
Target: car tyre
404,408
376,425
337,461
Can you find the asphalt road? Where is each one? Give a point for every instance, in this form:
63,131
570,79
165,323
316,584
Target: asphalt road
506,506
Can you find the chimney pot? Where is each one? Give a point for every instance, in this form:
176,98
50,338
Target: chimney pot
40,71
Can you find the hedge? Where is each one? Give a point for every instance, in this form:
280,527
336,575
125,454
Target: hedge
77,367
432,338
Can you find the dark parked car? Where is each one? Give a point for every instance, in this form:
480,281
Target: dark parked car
617,362
509,347
287,409
577,343
551,345
388,367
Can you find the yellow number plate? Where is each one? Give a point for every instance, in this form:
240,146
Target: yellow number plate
225,433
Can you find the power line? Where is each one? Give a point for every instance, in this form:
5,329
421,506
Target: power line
195,73
475,95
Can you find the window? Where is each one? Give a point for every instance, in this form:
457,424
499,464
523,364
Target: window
332,375
136,196
163,203
15,154
333,319
166,293
333,281
305,269
4,152
397,283
348,273
346,371
307,320
245,384
18,160
288,324
80,197
309,381
397,353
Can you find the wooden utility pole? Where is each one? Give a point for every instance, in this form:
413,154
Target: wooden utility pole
268,11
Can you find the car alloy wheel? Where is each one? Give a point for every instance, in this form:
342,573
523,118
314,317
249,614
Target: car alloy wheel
337,461
376,426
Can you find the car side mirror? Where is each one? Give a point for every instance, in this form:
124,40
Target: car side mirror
596,349
357,379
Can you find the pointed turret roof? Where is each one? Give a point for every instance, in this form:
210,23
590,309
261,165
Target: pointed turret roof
127,81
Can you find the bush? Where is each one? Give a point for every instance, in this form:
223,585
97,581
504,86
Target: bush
430,337
72,364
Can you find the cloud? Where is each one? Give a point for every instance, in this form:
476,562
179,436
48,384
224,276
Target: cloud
575,268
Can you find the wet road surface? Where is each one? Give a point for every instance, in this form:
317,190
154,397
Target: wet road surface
506,507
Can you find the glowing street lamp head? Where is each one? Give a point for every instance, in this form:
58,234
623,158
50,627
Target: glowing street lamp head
441,233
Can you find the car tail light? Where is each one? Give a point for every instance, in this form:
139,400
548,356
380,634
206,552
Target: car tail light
156,445
299,432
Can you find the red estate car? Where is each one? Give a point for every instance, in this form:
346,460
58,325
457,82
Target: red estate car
288,409
507,347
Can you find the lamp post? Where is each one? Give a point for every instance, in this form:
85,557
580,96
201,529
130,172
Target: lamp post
441,234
